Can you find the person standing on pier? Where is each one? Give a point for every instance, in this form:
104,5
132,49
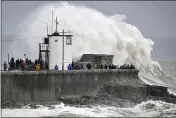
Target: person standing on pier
5,66
95,66
56,67
37,67
22,65
69,67
17,63
82,67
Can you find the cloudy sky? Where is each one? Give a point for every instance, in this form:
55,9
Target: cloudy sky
155,19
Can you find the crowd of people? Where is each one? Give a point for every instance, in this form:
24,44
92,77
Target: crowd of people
21,64
110,66
79,66
39,65
100,66
16,64
127,66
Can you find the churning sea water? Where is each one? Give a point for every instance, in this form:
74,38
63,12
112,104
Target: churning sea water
111,35
145,109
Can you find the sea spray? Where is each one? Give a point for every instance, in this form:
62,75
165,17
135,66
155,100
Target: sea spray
94,32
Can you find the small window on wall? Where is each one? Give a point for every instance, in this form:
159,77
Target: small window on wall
56,40
68,40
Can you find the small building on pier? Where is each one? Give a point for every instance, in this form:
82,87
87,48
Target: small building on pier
56,50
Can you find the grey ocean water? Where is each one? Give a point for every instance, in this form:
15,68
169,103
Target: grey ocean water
169,67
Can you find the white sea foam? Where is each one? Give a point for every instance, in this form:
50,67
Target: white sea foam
147,109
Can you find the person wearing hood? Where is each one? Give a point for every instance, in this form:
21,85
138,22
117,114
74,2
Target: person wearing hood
37,67
95,66
69,67
82,67
5,66
56,67
17,63
105,66
22,65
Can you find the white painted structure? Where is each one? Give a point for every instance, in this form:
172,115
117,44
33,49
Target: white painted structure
57,43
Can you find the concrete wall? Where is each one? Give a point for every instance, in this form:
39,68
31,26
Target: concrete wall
50,85
97,58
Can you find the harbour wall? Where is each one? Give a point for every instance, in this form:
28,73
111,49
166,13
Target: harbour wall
26,86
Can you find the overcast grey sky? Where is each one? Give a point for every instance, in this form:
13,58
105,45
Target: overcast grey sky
155,19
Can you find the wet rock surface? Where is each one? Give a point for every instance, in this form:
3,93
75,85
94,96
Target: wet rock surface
21,105
160,93
14,104
108,95
168,99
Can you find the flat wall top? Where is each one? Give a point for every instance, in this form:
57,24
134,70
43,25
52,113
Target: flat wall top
52,72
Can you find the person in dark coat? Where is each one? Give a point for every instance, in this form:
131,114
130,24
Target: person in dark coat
77,66
112,66
30,62
5,66
105,66
101,66
12,59
128,66
27,61
22,65
73,65
12,63
82,67
88,66
17,63
131,67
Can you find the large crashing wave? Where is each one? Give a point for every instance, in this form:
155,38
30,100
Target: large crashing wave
94,32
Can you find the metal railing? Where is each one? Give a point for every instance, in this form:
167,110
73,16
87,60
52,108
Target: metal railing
2,67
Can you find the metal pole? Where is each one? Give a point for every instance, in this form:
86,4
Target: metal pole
8,58
56,23
63,52
47,28
8,63
52,23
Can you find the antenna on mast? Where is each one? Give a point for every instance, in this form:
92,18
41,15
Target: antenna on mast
47,28
56,23
52,23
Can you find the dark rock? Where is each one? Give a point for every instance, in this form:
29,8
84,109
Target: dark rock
33,106
50,107
165,99
159,91
109,93
12,104
172,96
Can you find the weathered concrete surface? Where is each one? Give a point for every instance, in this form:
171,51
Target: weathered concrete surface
29,86
97,58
